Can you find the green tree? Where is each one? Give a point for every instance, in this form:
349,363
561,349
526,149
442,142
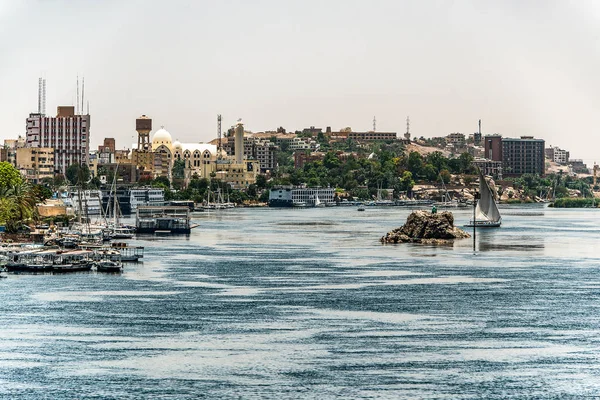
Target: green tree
429,172
407,182
445,174
178,169
161,181
9,175
78,174
415,163
261,181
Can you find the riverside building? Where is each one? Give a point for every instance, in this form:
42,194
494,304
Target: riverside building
67,134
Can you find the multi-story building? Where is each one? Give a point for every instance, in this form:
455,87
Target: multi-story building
11,146
264,152
146,196
523,156
363,136
489,167
126,173
67,133
579,167
35,163
557,155
456,138
301,157
255,148
492,146
108,146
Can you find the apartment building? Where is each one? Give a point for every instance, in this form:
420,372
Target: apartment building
523,156
67,134
35,163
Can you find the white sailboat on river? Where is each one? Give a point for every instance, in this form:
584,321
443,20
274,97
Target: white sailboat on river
486,211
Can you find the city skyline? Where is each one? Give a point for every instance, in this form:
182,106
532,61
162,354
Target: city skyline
522,67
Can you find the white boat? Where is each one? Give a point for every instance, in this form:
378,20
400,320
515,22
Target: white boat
109,266
486,211
361,208
318,202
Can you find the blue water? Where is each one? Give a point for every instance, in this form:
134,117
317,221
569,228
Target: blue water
263,303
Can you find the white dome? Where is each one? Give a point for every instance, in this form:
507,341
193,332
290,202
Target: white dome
177,145
161,137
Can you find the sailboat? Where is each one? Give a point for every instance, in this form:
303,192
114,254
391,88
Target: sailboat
486,211
318,202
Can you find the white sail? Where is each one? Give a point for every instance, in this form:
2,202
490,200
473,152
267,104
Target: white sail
486,209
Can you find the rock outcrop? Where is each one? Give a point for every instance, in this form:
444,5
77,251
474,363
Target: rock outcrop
425,227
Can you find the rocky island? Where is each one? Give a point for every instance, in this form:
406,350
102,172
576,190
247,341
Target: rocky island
426,227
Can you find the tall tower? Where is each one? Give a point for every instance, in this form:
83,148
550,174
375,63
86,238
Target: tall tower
407,133
143,126
477,135
239,142
374,124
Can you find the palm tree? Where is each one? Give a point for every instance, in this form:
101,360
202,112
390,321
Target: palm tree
21,200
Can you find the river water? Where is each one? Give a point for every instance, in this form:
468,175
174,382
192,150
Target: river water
285,303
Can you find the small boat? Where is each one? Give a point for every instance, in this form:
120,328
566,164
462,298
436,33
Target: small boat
75,266
486,210
318,202
109,266
361,208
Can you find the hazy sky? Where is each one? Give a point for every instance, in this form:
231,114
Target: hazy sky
523,67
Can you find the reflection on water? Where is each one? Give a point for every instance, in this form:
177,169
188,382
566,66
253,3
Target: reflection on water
249,307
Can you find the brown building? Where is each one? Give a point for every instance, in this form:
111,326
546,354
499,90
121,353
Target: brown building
301,157
126,173
492,145
108,146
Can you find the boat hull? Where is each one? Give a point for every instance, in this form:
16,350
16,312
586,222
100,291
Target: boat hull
484,224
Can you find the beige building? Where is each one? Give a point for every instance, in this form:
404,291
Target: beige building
35,163
202,160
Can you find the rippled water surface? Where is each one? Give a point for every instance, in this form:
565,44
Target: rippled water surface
264,303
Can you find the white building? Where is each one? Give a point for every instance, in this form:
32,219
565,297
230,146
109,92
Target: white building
309,195
146,197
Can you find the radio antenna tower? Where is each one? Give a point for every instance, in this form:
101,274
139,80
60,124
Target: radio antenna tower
77,103
407,134
219,135
374,124
44,96
82,94
40,96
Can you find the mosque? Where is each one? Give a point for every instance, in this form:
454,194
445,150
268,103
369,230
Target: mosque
203,160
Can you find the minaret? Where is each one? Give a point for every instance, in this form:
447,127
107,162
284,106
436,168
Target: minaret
239,142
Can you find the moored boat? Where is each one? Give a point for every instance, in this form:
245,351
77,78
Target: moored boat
109,266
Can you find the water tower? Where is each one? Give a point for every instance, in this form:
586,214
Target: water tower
143,126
